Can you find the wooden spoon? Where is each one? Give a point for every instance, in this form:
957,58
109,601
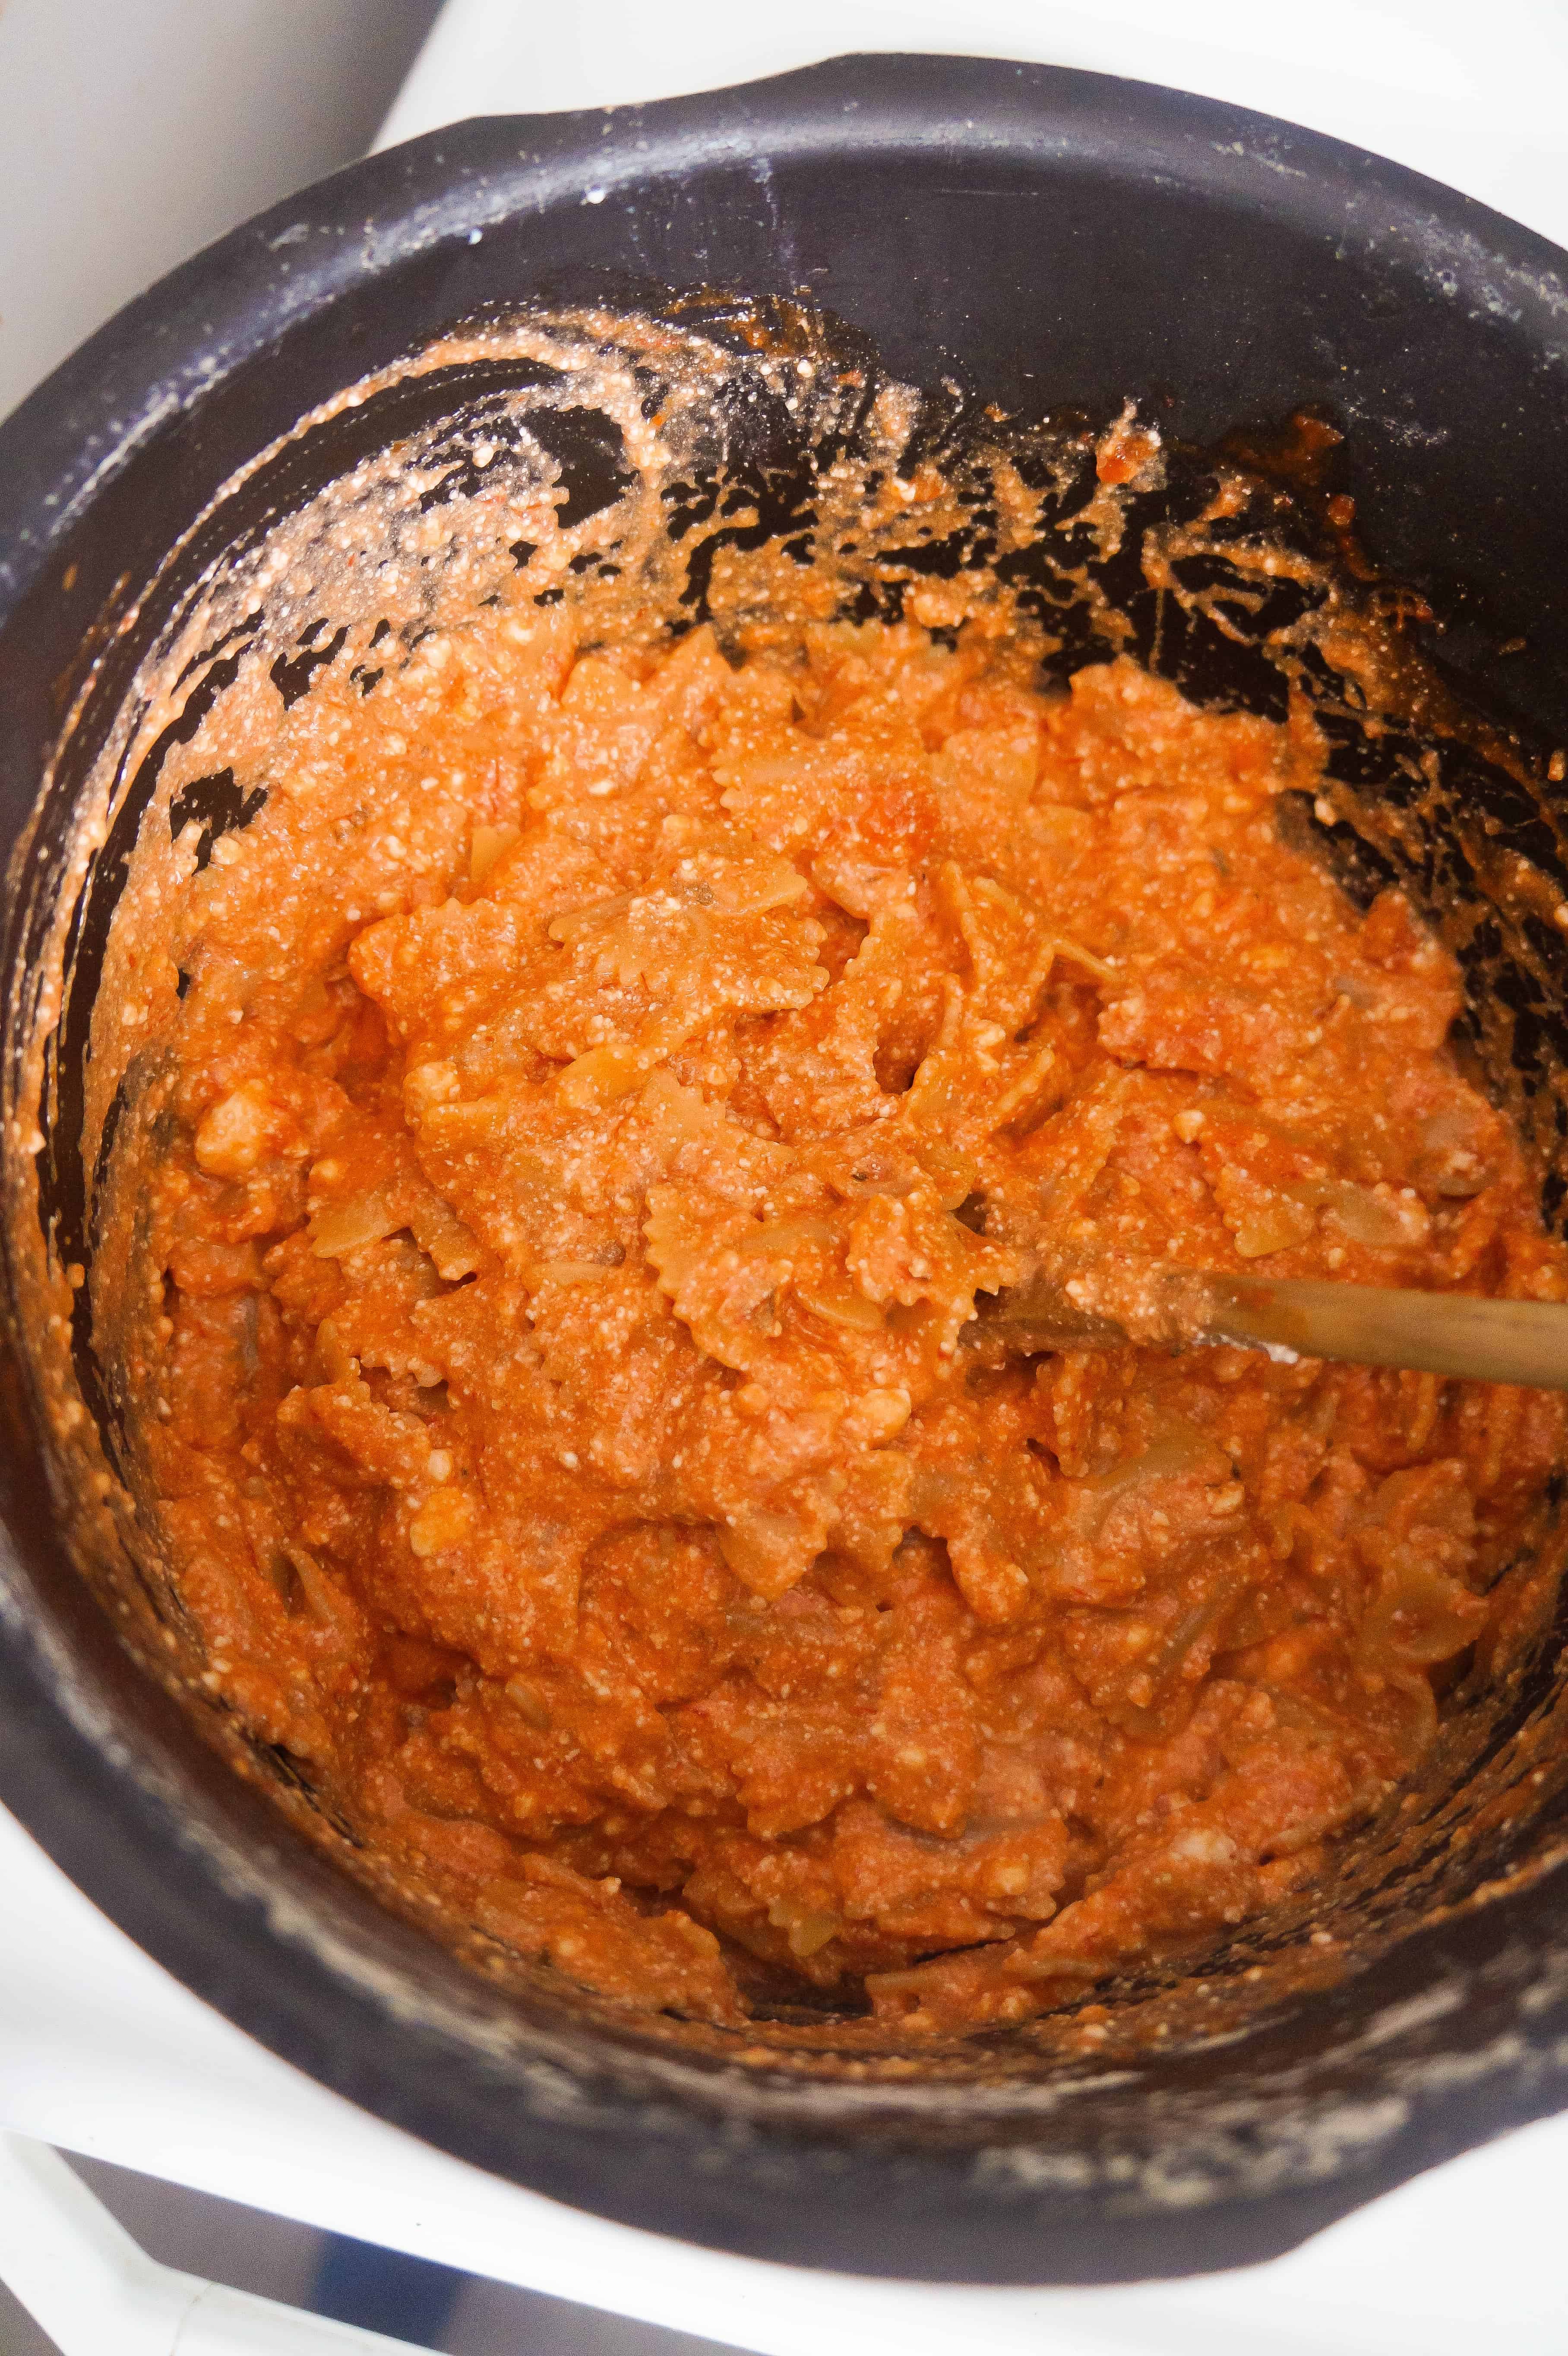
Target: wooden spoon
1455,1334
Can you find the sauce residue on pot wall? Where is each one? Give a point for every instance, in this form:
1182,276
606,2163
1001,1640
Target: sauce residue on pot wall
571,1081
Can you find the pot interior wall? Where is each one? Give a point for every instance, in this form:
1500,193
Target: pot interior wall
1039,241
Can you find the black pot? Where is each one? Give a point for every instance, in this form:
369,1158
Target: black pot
1039,237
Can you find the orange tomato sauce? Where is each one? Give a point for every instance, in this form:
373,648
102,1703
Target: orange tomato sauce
605,1086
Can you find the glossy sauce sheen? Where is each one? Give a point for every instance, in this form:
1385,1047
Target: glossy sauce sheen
604,1085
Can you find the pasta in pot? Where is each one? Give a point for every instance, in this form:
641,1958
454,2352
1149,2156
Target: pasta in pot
558,1415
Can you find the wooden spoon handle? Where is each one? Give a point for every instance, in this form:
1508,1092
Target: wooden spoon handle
1523,1341
1455,1334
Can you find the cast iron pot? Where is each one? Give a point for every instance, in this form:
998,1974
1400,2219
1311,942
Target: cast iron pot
1039,237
